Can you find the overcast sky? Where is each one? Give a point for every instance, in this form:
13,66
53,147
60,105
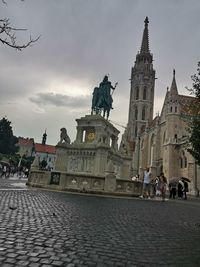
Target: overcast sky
50,84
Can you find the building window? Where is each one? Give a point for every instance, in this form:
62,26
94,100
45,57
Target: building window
143,113
142,143
176,109
152,140
152,149
171,109
83,136
164,138
181,162
185,162
136,113
136,131
137,93
145,93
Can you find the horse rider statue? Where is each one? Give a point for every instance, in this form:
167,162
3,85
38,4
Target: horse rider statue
102,97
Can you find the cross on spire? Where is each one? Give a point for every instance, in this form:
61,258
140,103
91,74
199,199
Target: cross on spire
146,21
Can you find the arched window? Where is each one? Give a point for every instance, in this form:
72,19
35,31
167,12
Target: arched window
137,93
142,143
136,131
161,168
145,93
164,137
176,109
152,148
143,113
136,113
185,162
170,109
152,140
181,162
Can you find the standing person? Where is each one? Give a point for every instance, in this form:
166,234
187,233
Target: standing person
146,183
4,171
180,189
163,186
185,190
172,189
157,186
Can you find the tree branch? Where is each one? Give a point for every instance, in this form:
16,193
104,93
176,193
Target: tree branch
8,34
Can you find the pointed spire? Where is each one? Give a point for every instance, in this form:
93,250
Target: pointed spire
44,137
145,38
173,89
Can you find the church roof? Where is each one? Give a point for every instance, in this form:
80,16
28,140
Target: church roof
45,148
185,103
25,141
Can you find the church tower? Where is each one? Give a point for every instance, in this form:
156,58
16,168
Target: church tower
142,89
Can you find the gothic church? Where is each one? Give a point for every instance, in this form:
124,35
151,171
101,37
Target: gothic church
159,142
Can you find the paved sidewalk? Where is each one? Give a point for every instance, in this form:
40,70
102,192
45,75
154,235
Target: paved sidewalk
40,228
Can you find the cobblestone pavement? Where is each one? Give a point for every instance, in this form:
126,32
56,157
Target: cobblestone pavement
40,228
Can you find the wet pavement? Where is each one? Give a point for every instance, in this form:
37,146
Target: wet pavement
41,228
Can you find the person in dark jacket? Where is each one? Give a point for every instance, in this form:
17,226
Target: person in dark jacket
180,189
185,190
172,189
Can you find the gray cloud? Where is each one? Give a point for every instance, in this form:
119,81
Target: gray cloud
81,41
60,100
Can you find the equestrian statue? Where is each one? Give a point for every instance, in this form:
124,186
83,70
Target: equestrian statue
102,98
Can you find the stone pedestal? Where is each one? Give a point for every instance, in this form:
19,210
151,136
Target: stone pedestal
92,163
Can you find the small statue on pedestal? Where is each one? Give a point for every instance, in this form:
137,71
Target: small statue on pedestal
64,138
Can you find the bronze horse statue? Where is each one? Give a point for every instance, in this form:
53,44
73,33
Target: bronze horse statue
102,98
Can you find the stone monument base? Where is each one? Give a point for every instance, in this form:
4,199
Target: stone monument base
84,183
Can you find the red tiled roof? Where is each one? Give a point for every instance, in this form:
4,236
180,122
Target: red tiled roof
45,148
25,141
186,102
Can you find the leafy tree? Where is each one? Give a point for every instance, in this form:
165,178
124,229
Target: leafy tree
8,34
27,161
7,139
195,117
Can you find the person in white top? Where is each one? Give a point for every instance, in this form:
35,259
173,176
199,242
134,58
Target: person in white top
146,184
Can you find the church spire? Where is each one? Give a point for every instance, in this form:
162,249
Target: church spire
142,89
145,38
173,89
44,138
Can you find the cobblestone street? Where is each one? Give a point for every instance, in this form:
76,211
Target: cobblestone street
41,228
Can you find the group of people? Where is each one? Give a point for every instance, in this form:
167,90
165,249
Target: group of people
179,188
10,171
160,186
